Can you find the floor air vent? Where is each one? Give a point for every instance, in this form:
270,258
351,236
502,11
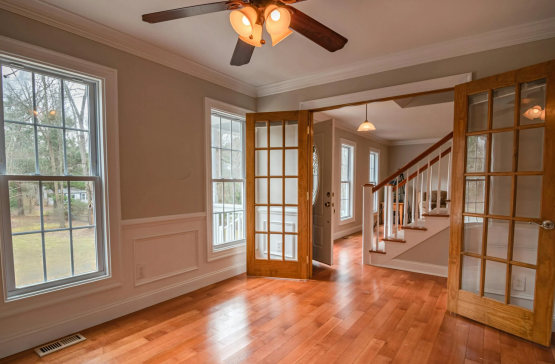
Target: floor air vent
59,344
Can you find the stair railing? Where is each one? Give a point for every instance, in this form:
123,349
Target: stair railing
390,208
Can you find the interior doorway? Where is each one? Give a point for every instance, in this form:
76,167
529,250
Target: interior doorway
337,171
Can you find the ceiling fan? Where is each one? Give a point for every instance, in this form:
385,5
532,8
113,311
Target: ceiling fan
247,18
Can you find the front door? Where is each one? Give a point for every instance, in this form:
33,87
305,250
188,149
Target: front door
322,210
502,247
279,186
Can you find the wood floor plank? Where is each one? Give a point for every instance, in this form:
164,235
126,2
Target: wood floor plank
347,313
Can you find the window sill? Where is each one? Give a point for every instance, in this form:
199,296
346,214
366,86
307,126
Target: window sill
15,296
216,253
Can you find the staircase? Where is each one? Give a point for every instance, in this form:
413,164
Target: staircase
426,220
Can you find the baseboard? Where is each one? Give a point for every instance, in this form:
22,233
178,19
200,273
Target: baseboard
340,234
14,344
416,267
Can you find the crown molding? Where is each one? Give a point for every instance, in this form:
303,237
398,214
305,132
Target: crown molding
73,23
500,38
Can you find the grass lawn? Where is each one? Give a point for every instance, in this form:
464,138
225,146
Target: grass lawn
28,254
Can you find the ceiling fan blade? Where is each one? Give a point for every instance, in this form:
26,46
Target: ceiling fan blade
185,12
242,53
316,31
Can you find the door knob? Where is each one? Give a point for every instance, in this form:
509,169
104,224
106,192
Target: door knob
547,224
327,204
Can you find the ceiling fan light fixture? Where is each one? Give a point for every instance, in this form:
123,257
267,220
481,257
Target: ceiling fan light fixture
242,21
534,113
255,39
542,117
277,23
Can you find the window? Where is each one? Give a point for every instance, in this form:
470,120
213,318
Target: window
347,179
50,151
374,173
228,178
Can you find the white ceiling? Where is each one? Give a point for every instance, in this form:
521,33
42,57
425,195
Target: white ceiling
396,124
374,29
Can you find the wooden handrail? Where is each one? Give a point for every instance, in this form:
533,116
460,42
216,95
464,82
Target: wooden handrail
413,176
413,162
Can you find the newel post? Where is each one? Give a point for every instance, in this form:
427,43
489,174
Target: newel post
367,222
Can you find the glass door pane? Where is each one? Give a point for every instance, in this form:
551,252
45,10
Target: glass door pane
276,197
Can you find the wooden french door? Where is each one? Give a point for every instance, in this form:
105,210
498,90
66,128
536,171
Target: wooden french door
279,178
502,247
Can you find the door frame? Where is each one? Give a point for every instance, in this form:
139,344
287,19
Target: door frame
421,88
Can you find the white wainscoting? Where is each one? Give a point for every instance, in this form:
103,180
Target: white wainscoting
166,255
173,250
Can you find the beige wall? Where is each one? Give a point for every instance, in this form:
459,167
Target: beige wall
160,118
434,250
481,64
362,161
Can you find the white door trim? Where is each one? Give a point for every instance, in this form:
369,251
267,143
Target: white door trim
398,90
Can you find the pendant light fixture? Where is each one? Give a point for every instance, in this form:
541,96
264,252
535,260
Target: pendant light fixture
366,126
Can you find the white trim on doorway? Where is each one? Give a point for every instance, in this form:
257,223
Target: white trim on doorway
398,90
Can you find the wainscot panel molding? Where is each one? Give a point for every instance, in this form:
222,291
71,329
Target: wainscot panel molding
165,254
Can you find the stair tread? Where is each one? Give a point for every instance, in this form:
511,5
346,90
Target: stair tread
436,215
408,227
394,240
377,251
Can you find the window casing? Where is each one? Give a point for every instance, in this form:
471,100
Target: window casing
374,173
347,179
50,179
228,180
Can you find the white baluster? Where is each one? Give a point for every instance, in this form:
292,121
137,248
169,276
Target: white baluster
429,186
367,222
414,186
438,201
385,215
397,206
389,211
405,198
421,205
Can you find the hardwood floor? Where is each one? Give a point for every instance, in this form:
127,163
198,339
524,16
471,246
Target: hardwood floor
349,313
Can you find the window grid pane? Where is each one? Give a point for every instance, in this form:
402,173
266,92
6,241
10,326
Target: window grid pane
346,210
49,132
228,179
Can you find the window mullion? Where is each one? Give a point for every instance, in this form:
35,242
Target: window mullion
70,224
3,163
64,129
42,234
35,122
